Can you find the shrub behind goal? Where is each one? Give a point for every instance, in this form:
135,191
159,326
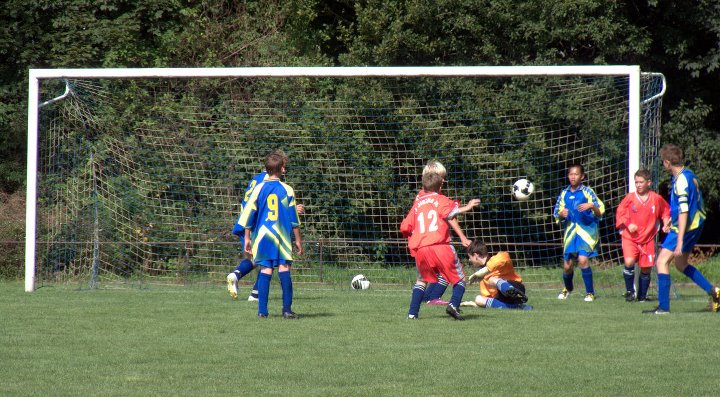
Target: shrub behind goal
140,175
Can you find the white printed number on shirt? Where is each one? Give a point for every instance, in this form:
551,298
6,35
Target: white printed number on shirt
432,217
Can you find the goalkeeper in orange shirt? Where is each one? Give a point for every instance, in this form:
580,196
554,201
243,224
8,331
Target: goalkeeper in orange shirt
500,286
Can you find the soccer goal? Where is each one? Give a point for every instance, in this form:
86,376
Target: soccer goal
136,175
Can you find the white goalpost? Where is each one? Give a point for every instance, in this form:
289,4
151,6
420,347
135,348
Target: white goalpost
137,174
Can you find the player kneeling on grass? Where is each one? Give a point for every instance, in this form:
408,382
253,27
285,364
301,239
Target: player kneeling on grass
500,286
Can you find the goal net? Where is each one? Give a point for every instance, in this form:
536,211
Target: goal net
140,179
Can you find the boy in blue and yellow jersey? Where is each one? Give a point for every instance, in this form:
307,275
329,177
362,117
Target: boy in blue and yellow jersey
687,216
270,220
246,265
579,210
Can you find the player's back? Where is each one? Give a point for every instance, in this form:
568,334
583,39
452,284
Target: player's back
427,220
271,215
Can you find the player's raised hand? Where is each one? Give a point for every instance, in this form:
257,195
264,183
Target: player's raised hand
473,203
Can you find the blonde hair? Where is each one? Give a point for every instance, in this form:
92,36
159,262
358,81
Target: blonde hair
436,167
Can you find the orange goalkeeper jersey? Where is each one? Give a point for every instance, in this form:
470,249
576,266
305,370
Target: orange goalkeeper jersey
499,265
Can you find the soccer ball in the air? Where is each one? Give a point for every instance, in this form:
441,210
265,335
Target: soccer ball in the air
523,189
360,282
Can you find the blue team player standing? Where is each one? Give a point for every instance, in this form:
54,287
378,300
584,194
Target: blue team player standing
579,210
246,265
687,216
270,220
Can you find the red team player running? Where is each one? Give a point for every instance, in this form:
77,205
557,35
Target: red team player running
426,227
637,218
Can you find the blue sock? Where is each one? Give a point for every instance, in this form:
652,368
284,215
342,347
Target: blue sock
263,292
504,286
429,291
588,280
416,299
644,286
629,276
568,280
663,281
695,275
497,304
457,293
438,290
255,286
245,267
287,290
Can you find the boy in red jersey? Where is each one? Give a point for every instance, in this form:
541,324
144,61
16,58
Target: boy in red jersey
427,228
637,219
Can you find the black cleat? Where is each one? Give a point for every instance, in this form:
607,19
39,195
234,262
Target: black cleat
629,296
515,293
291,315
453,312
656,310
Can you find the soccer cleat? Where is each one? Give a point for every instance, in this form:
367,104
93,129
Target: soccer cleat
516,294
629,296
715,296
437,302
453,312
252,298
564,294
232,285
412,317
291,315
589,297
656,310
260,315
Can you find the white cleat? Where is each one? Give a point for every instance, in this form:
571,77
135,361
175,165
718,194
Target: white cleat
589,297
232,285
564,294
252,299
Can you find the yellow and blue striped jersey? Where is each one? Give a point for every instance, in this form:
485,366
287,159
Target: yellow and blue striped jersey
579,224
685,196
271,215
238,230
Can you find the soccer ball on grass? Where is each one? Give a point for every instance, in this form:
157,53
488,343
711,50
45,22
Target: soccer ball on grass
360,282
523,189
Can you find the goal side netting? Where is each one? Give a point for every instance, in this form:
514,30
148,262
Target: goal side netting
140,179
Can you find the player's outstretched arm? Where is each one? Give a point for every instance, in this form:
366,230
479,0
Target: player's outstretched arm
478,275
470,205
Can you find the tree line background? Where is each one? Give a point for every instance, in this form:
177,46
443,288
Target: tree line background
680,39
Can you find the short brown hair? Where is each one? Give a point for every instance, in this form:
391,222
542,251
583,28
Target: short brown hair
672,153
643,173
275,161
432,182
477,247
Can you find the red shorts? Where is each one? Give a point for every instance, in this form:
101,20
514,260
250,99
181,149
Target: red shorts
440,258
644,254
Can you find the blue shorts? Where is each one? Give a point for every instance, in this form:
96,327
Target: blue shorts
274,263
689,240
574,255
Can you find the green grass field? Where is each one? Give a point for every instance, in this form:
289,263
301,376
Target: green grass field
195,341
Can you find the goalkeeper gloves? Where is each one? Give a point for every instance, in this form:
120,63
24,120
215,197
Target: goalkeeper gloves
478,275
